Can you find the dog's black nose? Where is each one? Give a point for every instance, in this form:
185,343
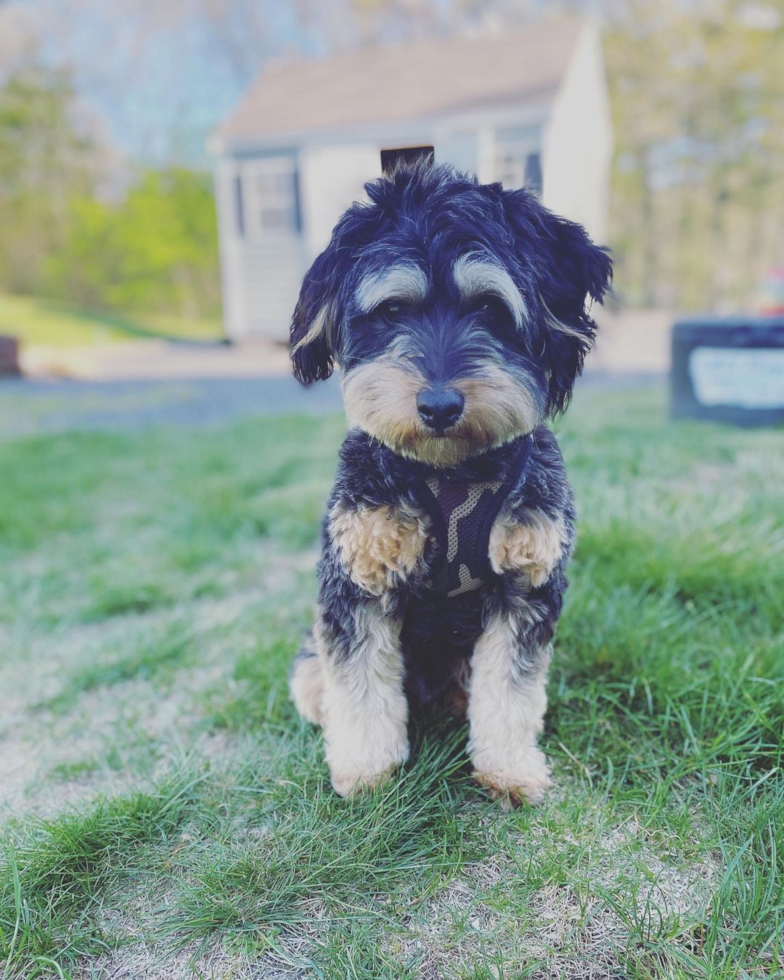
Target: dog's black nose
440,407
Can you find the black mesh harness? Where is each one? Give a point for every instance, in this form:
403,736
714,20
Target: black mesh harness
462,515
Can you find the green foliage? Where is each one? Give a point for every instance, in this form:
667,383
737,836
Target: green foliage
154,251
44,162
698,189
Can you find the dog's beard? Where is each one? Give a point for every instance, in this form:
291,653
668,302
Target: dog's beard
380,398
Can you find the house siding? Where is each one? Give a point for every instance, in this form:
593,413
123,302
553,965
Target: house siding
270,277
261,273
578,142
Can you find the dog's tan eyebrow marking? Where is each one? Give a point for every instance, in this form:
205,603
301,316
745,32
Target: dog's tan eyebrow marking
404,282
476,275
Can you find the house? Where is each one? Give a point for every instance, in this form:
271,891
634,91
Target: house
305,138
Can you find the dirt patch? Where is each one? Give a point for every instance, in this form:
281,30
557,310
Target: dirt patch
574,932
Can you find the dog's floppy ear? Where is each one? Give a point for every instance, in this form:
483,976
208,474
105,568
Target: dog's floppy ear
312,324
580,272
568,270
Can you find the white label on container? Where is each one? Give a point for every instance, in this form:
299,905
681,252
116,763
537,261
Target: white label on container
750,377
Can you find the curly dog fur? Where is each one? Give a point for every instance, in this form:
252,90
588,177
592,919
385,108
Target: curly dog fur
457,315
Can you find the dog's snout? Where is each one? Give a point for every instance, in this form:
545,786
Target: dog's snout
440,407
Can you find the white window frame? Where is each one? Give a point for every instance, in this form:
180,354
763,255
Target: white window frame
520,148
254,204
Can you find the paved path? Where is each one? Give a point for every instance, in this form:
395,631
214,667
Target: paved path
30,407
56,406
133,385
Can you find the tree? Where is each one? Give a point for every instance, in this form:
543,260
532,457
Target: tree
44,161
153,252
698,100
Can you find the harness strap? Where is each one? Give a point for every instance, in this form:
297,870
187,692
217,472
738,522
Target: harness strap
462,516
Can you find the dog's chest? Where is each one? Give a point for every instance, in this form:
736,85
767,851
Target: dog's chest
462,512
462,516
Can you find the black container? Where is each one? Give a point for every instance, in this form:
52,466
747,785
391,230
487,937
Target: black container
9,356
728,370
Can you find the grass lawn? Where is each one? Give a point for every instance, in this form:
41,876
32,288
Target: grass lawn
37,322
166,814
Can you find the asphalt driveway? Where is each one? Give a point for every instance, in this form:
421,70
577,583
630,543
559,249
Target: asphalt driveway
29,407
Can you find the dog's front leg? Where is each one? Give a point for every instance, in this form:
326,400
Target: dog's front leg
507,698
365,711
371,551
506,706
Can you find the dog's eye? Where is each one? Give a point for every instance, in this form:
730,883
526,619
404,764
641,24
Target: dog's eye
490,307
389,309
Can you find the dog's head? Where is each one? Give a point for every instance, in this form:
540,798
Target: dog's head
455,310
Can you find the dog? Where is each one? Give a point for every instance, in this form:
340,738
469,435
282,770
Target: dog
459,316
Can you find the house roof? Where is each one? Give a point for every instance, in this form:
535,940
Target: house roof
391,84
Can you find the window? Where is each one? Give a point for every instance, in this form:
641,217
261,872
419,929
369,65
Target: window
517,161
268,197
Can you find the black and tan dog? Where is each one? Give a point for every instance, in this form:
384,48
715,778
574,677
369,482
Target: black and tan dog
457,314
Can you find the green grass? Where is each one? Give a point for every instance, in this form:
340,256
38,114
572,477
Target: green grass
40,323
166,813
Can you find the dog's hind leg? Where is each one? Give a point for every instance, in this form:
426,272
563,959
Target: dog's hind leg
306,682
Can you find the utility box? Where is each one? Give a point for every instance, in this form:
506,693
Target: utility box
728,370
9,357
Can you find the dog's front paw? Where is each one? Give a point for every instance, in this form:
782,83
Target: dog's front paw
532,549
349,783
378,545
355,772
527,782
